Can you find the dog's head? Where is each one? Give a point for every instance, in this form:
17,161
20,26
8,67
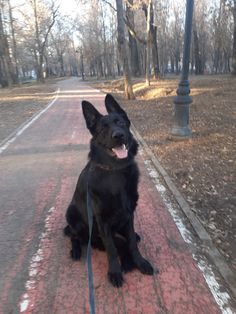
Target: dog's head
110,132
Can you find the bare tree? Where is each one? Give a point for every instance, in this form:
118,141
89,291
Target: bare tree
148,46
122,47
155,53
38,18
59,40
166,43
177,34
133,46
13,38
6,68
41,35
199,68
232,5
151,48
234,40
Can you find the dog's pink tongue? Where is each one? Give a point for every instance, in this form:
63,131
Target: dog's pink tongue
121,152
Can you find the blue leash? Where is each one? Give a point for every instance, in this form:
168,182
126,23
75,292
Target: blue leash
89,254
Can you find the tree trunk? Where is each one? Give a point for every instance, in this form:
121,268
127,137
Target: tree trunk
134,57
217,60
123,50
151,43
197,55
148,48
177,59
82,65
100,67
61,61
48,69
40,69
14,48
7,76
118,68
234,41
172,64
41,42
39,63
105,54
155,56
196,49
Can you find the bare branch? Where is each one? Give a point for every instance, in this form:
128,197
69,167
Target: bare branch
133,33
107,2
129,27
54,15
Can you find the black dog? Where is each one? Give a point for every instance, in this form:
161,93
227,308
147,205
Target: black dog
111,176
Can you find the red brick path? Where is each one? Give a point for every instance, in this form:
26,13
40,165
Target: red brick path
39,171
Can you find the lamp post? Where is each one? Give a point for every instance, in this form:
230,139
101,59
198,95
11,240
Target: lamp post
182,101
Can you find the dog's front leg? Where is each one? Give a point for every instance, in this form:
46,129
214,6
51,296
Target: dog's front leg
142,264
114,268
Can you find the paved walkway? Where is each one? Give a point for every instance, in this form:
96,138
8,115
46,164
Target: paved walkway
39,169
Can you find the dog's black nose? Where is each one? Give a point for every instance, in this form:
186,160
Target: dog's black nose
118,135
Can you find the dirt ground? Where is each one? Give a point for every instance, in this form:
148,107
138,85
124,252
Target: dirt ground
204,167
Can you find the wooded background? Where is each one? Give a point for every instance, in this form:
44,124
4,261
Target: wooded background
107,38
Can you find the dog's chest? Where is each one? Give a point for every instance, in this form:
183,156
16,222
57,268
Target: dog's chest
117,183
115,197
116,211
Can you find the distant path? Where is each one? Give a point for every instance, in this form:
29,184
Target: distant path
39,170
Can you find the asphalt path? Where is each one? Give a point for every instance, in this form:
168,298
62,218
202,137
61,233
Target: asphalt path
39,168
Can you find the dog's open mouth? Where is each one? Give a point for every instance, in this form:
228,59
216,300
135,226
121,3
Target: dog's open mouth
120,152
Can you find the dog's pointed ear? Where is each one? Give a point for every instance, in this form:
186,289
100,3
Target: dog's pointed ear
113,106
91,115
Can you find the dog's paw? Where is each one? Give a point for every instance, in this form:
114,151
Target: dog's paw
138,238
116,279
127,265
75,254
145,267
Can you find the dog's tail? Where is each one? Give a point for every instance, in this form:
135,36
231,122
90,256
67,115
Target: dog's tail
67,231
